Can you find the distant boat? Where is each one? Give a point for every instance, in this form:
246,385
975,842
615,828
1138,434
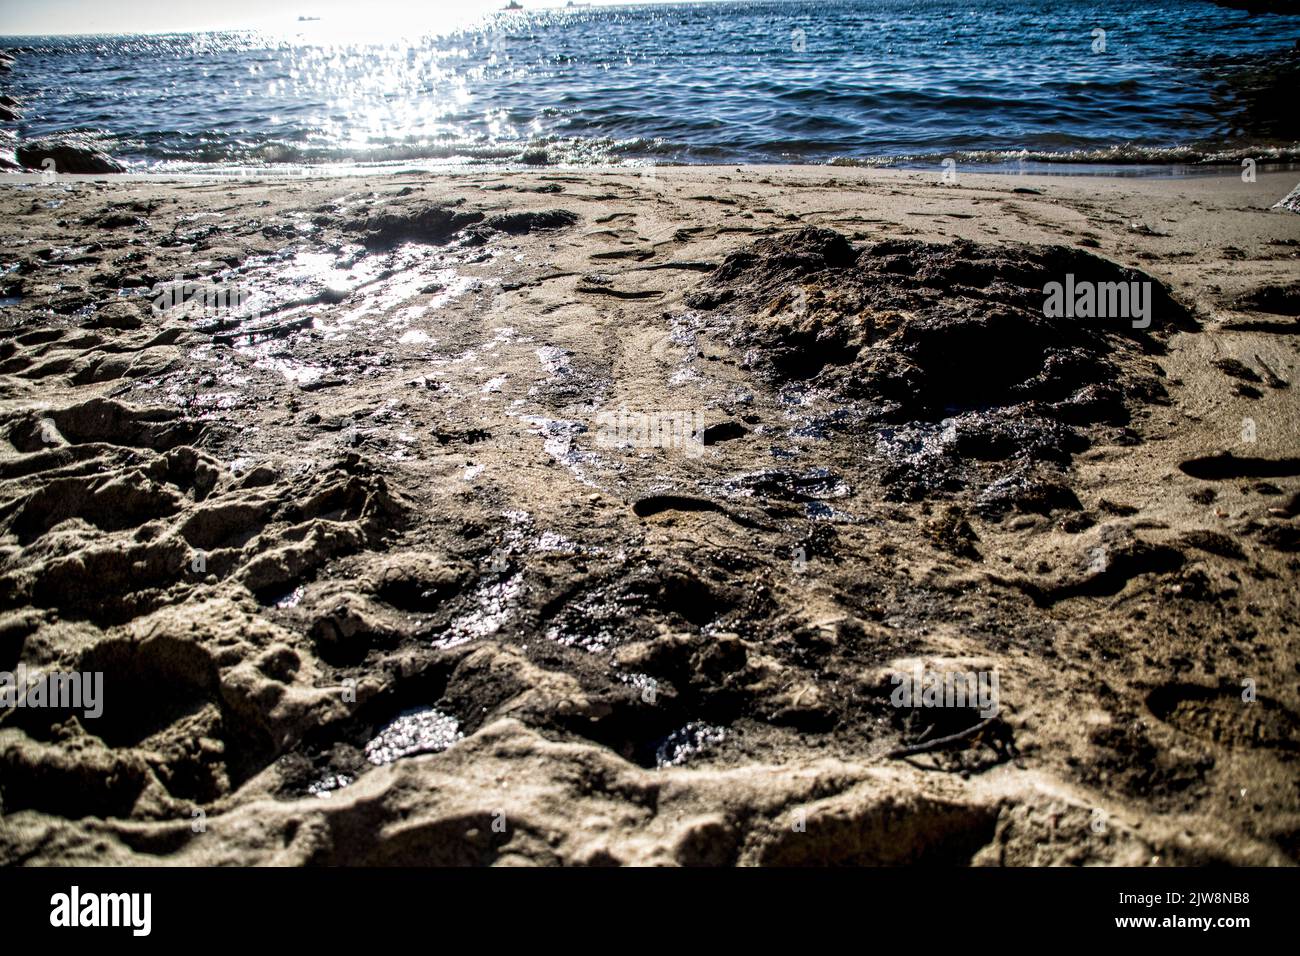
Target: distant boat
513,5
307,19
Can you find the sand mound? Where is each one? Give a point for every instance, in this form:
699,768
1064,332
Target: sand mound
950,347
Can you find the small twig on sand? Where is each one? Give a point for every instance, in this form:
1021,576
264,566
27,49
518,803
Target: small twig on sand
939,743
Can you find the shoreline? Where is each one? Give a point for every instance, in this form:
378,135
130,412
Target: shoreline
287,171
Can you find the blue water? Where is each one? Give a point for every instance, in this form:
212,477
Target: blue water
864,81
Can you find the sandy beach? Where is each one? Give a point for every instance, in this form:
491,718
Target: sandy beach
586,516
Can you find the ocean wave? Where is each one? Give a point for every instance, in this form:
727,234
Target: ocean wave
1118,155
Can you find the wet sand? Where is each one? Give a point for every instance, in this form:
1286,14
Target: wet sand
584,517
